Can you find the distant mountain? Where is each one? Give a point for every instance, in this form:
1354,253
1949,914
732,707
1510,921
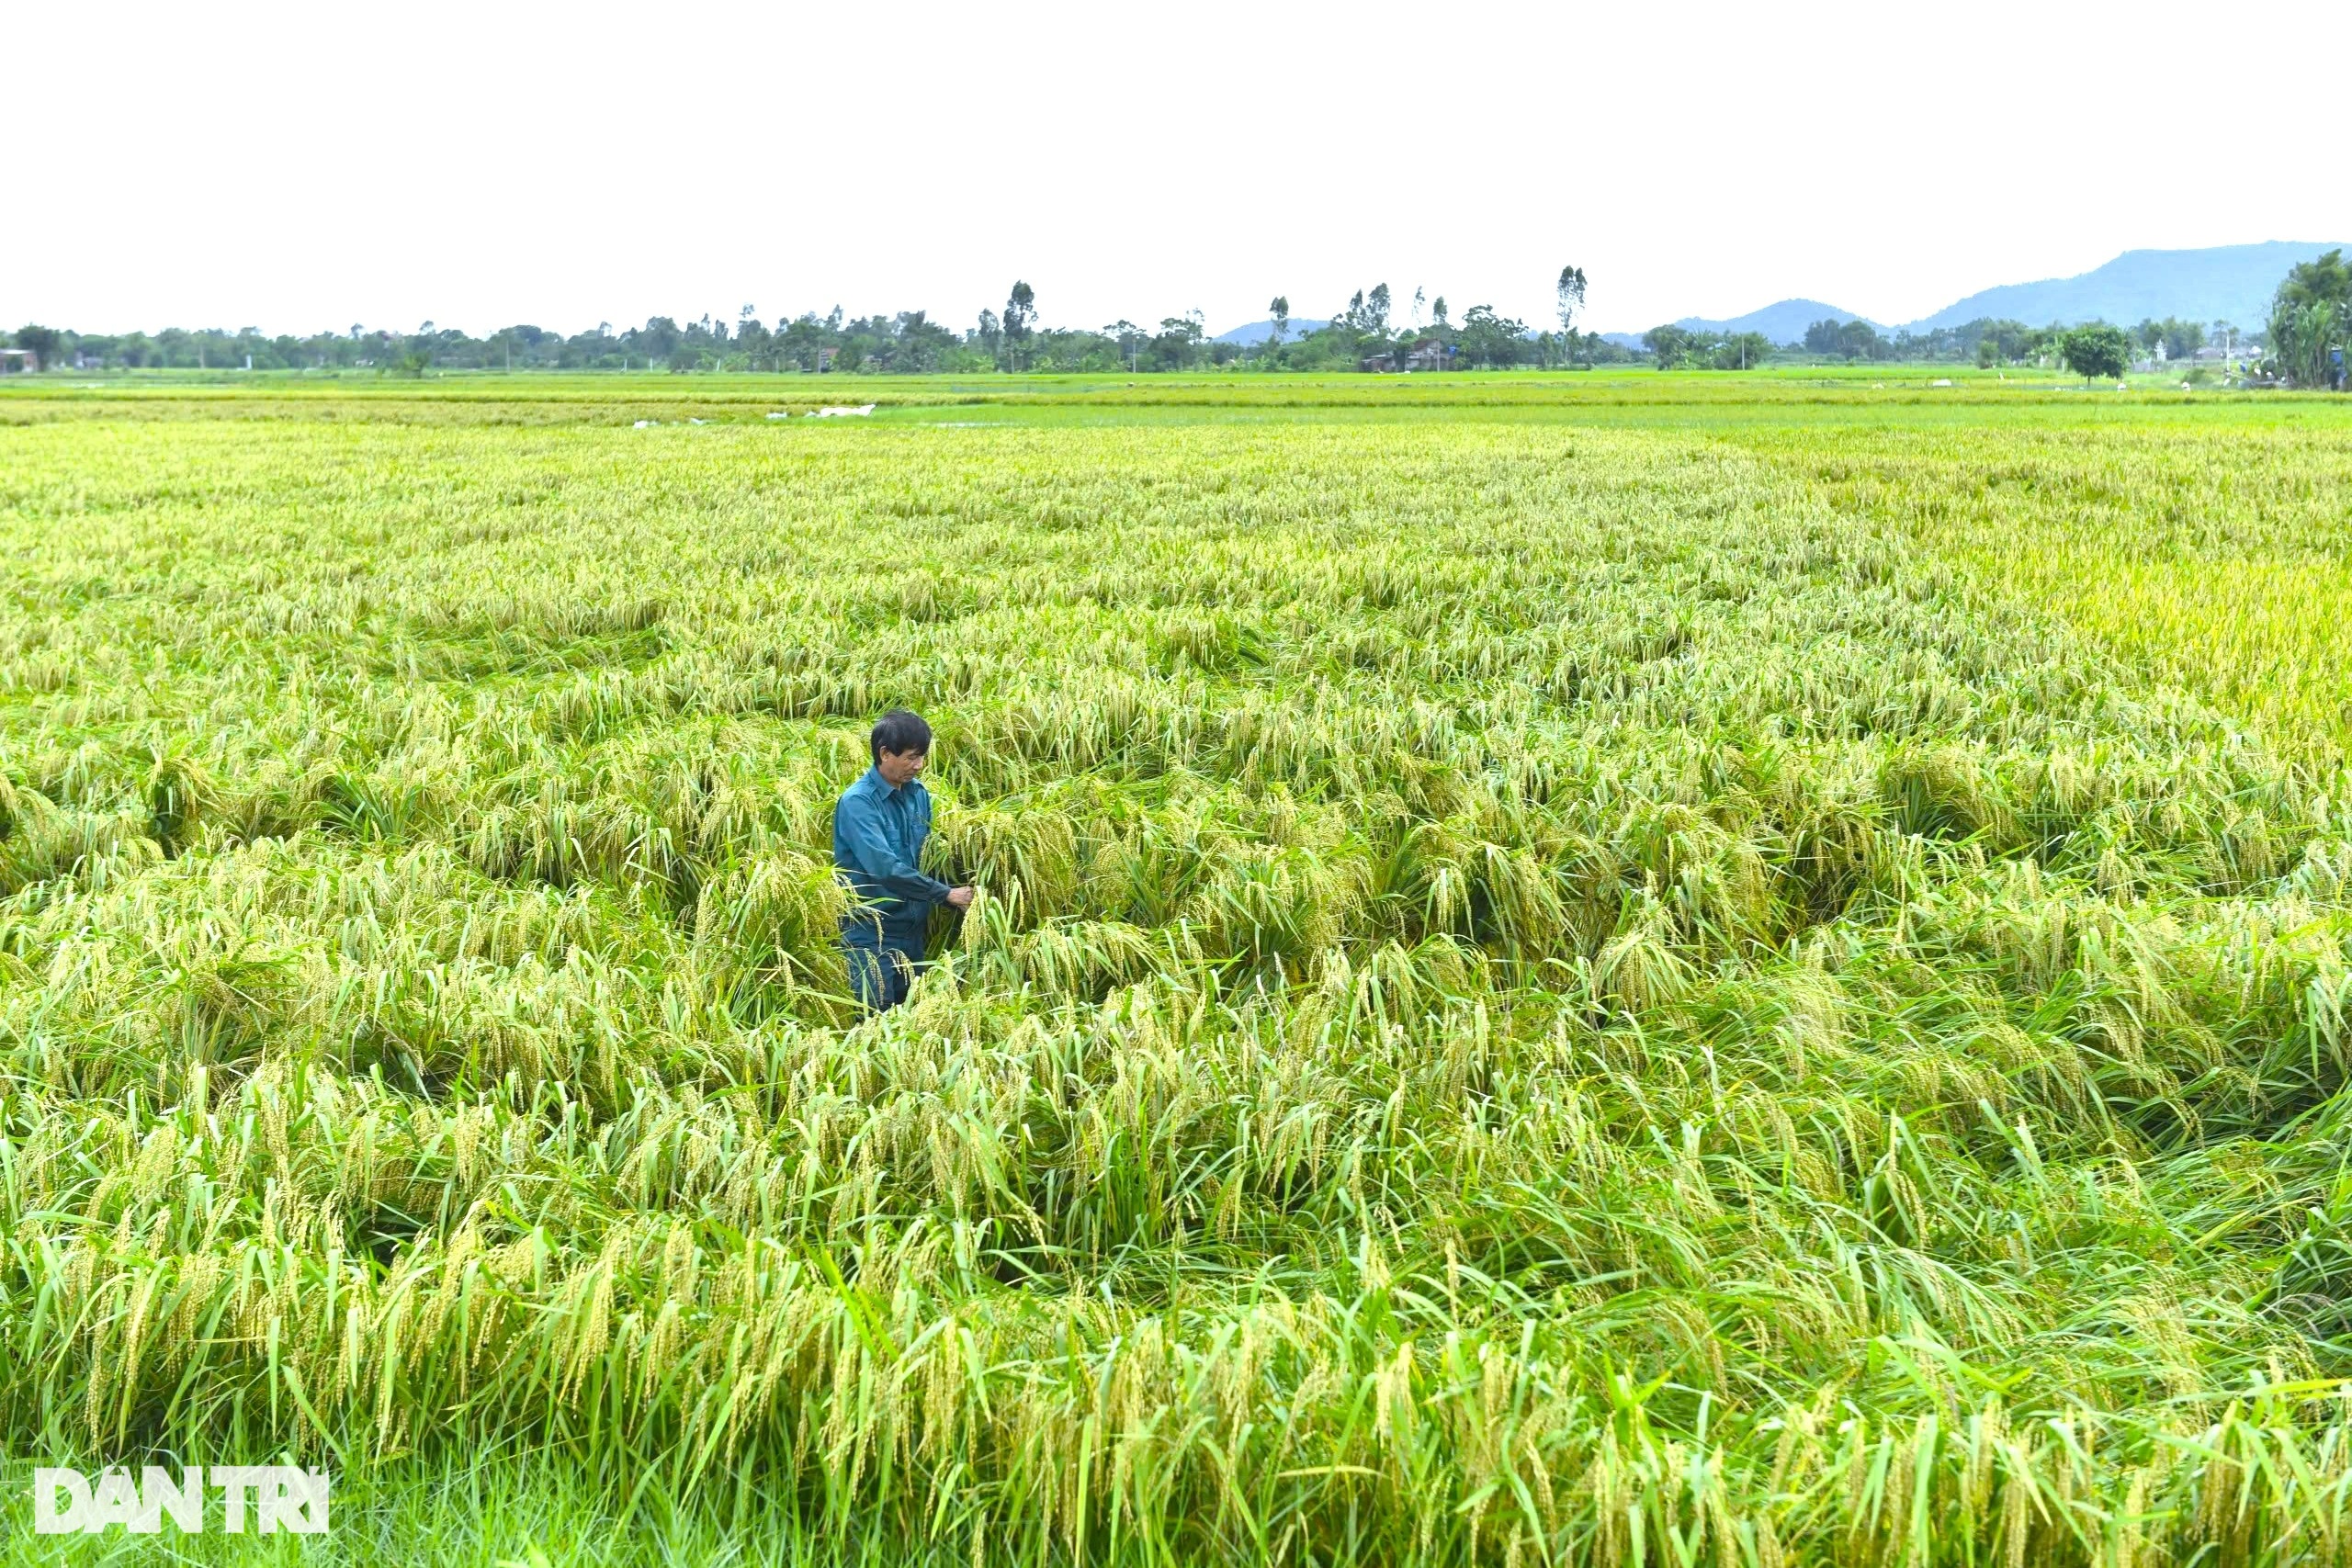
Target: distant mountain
2228,283
1783,323
1257,333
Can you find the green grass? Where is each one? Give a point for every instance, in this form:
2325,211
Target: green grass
1706,969
531,1510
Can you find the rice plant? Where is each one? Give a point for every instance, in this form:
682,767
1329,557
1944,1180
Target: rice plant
1549,989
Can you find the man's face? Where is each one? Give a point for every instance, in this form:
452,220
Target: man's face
897,767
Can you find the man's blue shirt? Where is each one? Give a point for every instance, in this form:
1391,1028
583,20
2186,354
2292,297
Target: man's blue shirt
878,843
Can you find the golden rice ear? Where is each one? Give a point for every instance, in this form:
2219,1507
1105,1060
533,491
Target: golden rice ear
180,792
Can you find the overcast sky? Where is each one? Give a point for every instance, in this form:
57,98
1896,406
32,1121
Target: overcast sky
308,166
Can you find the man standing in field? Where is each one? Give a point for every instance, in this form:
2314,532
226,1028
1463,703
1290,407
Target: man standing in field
878,829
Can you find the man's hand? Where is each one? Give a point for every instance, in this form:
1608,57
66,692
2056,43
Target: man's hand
960,897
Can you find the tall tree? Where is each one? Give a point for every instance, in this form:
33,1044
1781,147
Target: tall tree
2096,351
1569,297
2326,280
1178,343
1856,339
1129,338
1742,351
1491,339
1672,344
1280,310
1019,320
1569,294
43,341
2309,318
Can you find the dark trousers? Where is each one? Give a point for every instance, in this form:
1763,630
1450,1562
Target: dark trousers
880,972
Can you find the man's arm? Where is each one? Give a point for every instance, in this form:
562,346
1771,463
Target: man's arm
870,850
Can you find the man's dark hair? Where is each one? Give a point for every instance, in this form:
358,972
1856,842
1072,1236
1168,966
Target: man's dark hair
898,732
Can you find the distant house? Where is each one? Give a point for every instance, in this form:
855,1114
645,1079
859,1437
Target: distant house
1431,353
14,361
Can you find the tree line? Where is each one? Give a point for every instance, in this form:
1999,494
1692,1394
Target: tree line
2310,329
1988,341
1366,335
2301,344
1375,333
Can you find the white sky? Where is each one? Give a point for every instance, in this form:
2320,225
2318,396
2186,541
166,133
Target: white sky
299,167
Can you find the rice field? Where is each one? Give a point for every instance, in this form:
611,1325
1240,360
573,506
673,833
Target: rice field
1726,971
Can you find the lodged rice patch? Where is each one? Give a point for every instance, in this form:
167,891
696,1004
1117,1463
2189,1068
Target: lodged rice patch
1547,992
